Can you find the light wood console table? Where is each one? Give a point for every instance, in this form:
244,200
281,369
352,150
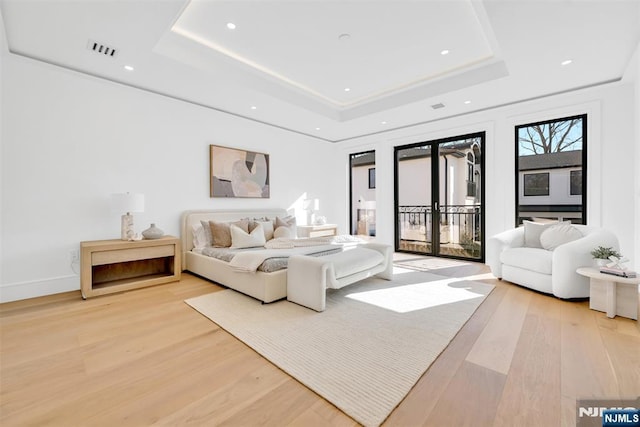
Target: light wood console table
612,294
317,230
108,266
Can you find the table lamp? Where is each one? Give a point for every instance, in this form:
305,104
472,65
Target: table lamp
311,206
127,202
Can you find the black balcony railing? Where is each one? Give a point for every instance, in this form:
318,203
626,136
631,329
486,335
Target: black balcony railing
460,228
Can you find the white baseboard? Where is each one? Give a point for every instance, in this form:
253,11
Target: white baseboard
38,288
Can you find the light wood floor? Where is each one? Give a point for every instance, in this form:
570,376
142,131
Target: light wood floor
145,357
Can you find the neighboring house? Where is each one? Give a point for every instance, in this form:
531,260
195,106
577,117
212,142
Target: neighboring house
551,185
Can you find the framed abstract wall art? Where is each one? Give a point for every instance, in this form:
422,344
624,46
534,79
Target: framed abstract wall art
238,173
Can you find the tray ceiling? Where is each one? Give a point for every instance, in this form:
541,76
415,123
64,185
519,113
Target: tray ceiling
334,70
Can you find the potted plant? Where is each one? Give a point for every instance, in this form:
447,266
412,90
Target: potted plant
602,254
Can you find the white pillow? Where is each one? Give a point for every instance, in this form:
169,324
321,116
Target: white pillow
267,226
557,235
199,236
206,228
533,230
242,239
285,232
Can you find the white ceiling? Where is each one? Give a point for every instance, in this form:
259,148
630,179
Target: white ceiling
293,60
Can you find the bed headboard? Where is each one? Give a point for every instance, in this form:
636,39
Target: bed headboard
189,218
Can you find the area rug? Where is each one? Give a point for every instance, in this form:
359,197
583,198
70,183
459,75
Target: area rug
368,348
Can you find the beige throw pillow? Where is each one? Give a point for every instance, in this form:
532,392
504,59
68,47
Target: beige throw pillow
283,232
221,234
289,222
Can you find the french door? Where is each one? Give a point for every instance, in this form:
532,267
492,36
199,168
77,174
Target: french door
439,197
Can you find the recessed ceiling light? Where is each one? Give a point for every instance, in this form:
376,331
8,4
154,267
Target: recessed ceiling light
344,37
346,89
467,102
128,68
317,128
253,107
383,122
566,62
231,25
444,52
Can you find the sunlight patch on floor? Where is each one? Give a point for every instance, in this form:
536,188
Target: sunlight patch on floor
418,296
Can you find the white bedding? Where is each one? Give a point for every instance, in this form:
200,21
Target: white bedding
284,243
249,261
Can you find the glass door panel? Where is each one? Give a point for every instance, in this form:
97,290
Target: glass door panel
414,199
459,198
439,197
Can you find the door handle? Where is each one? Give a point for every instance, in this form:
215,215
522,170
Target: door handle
435,206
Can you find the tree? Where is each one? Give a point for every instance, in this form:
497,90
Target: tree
553,137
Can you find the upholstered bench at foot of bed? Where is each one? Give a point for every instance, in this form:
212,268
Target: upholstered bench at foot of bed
308,278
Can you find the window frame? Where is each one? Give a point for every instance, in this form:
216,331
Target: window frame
585,137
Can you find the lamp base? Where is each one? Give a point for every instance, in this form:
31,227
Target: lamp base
126,227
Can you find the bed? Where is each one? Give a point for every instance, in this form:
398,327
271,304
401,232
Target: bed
264,286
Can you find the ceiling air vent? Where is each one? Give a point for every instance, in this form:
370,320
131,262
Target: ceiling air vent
437,106
100,48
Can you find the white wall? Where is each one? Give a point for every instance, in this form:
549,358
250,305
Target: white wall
637,157
3,55
635,67
611,131
70,140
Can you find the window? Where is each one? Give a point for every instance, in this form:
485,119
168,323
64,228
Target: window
536,184
575,183
551,161
362,194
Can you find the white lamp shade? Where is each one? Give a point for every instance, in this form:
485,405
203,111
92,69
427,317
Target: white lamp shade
127,202
311,204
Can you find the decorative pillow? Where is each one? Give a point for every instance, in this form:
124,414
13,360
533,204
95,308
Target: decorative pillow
207,232
285,232
288,221
242,239
200,236
532,232
220,233
267,226
557,235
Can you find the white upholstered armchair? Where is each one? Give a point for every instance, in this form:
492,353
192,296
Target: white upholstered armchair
543,258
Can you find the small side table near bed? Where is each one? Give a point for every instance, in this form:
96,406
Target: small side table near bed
317,230
108,266
612,294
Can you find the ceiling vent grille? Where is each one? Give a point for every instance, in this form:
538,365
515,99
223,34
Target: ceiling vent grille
102,49
437,106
